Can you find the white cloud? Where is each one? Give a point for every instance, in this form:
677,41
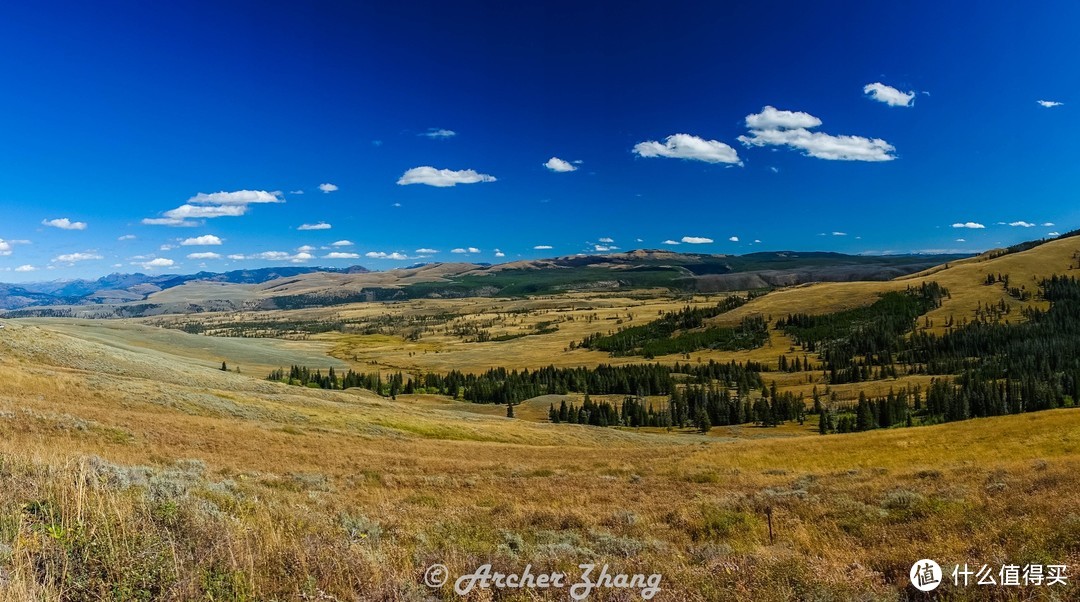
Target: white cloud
237,257
542,247
127,237
160,262
670,242
299,257
216,204
1053,234
204,240
1048,225
1022,224
166,247
604,248
499,253
426,251
305,249
696,240
442,178
5,247
771,118
772,127
382,255
757,241
64,224
189,211
961,240
971,225
169,221
74,257
318,226
327,187
342,243
26,268
685,146
734,239
238,197
607,240
340,255
558,165
439,133
468,250
1049,103
203,256
839,233
296,192
889,95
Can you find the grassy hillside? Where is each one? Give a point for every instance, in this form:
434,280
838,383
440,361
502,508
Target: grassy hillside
137,475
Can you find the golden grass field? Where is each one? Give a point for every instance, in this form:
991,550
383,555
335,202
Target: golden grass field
134,469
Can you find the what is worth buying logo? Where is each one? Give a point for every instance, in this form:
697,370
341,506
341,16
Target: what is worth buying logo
925,575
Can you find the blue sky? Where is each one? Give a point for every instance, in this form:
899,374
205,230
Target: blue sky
184,136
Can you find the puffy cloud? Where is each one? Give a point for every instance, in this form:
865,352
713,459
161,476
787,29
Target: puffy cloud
1022,224
1049,103
839,233
1048,225
734,239
557,164
239,197
5,247
542,247
670,242
327,187
296,192
204,240
961,240
607,240
1053,234
169,221
75,257
342,243
189,211
971,225
685,146
889,95
426,251
442,178
305,249
64,224
299,257
439,134
382,255
160,262
468,250
166,247
696,240
771,118
26,268
772,127
203,256
340,255
127,237
604,248
237,257
499,253
318,226
216,204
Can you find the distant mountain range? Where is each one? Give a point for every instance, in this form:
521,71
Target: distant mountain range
297,287
133,287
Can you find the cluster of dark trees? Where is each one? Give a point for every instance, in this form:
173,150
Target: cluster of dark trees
681,332
502,386
634,411
896,408
854,342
